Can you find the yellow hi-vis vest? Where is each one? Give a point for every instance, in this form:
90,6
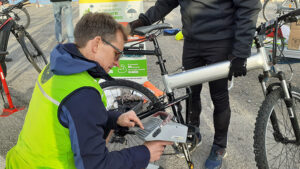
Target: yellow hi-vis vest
44,142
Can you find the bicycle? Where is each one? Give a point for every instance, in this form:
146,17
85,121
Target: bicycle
19,13
30,48
271,125
276,8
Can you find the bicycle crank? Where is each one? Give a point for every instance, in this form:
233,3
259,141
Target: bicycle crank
187,155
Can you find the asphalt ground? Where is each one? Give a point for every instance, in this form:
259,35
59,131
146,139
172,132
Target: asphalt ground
245,97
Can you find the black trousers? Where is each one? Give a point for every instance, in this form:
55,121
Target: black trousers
201,53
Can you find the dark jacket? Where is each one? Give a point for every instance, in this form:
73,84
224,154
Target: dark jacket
206,20
84,114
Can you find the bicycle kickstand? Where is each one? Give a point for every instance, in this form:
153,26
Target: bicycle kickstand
10,108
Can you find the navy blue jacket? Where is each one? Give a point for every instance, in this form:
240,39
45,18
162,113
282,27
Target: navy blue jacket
84,114
211,20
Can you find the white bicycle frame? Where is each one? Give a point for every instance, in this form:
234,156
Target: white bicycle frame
213,72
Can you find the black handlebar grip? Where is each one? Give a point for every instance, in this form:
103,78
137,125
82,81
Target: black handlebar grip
295,12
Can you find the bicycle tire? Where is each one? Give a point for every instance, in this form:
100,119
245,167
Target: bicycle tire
32,51
270,10
268,155
21,16
116,88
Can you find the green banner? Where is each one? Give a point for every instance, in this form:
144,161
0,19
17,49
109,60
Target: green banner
130,68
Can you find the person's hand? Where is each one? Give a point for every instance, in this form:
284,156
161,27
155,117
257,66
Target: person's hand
237,67
156,148
135,24
129,119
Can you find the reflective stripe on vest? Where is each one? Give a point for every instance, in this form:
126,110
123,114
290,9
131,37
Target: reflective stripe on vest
47,96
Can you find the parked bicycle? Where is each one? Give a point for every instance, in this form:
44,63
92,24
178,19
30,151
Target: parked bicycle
277,131
276,8
30,48
19,13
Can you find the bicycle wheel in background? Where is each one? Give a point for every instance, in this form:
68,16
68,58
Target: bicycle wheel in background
275,8
122,96
21,16
274,138
32,51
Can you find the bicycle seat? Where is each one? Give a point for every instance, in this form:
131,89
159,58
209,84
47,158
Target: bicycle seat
146,29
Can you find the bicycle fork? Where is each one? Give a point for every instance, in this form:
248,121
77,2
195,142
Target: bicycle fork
290,106
288,102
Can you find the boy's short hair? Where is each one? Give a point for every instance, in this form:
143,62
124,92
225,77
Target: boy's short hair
97,24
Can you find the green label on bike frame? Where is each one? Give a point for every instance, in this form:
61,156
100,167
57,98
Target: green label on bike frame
130,68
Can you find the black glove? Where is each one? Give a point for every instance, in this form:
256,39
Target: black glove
141,21
237,67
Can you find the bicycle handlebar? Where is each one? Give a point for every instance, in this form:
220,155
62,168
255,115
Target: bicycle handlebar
287,18
290,14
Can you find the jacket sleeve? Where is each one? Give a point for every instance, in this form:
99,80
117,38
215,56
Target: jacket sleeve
84,114
244,26
112,119
159,10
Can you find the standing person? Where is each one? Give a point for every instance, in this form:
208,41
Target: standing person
214,31
64,6
67,122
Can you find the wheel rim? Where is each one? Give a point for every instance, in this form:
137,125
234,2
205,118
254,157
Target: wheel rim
113,94
281,152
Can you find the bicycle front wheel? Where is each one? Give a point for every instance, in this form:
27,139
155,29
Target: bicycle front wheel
275,8
21,16
33,52
123,95
275,143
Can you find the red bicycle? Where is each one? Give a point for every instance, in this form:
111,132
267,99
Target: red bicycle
30,48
